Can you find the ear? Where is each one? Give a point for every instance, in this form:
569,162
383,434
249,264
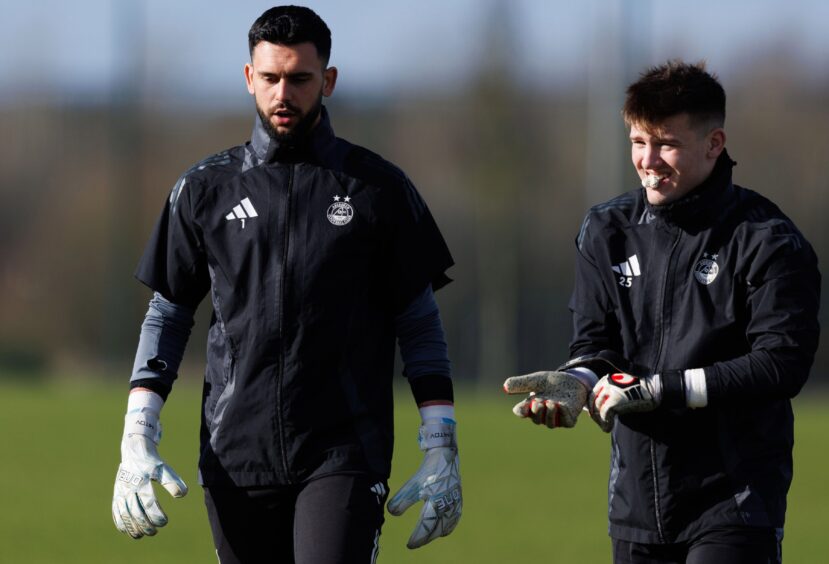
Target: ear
715,143
249,78
329,81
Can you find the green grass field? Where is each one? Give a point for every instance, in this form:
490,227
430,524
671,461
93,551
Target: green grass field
529,493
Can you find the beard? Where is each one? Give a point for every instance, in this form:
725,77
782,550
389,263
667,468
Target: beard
300,130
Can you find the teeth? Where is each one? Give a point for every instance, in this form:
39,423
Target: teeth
651,181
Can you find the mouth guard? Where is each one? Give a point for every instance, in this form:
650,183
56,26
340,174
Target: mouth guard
651,181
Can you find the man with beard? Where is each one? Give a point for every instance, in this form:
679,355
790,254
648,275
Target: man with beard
695,322
317,254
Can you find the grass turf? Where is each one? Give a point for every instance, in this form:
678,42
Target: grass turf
529,493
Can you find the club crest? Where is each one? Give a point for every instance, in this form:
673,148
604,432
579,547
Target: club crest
706,269
340,212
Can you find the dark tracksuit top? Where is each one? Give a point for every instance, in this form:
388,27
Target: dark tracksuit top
720,280
308,254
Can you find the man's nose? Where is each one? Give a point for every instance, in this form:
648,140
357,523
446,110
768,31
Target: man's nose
651,157
282,91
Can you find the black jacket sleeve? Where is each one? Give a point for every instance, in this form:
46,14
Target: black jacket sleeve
783,297
420,254
595,327
174,262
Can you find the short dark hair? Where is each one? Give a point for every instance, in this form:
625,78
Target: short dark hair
673,88
289,25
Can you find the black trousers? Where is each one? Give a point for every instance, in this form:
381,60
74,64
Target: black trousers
329,520
738,545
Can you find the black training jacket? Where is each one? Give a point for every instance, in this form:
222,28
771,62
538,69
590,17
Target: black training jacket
308,253
720,280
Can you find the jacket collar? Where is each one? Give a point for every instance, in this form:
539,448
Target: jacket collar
701,202
314,147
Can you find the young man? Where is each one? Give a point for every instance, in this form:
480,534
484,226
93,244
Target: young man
316,254
695,322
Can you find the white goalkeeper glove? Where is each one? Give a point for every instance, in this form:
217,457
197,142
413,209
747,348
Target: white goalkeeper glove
556,398
437,482
620,393
135,509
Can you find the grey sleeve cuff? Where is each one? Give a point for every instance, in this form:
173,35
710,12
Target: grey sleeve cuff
164,335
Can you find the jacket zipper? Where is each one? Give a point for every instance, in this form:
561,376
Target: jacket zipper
657,509
281,302
656,500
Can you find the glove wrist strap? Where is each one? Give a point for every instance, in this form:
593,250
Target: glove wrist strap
143,423
437,433
143,409
673,389
583,375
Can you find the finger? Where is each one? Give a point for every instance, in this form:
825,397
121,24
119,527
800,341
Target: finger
591,403
445,522
594,415
600,401
553,414
449,523
607,426
171,482
116,517
138,517
426,527
152,509
607,423
522,408
408,494
605,405
594,397
130,526
535,382
598,412
538,411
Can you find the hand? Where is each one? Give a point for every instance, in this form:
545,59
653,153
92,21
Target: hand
556,398
437,482
619,393
135,509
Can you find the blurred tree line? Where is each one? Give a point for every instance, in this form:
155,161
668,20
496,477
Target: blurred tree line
503,168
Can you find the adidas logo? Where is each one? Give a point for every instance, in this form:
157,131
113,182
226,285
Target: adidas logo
242,211
627,271
380,491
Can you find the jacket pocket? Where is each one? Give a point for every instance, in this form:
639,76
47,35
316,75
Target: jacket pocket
219,375
223,396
